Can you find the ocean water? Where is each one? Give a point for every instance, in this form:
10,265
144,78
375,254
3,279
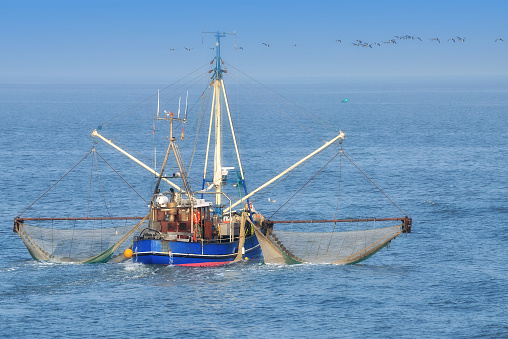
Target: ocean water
437,149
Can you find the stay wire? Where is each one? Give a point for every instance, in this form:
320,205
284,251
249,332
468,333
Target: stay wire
308,181
340,181
121,177
296,170
150,114
102,190
338,198
276,107
308,114
90,188
121,115
205,97
380,190
79,162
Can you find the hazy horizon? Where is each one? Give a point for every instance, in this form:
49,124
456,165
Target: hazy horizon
128,41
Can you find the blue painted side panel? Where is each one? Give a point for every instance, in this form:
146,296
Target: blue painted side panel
182,253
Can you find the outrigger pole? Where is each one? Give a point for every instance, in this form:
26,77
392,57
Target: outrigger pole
137,161
339,138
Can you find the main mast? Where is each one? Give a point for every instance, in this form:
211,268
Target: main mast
219,101
217,90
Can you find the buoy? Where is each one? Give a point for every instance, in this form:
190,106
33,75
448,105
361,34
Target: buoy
127,253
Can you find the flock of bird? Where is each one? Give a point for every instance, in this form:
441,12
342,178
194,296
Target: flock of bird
360,43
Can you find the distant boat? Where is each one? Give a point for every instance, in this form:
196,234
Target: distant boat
184,228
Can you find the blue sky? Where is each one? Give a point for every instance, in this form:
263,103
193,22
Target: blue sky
131,41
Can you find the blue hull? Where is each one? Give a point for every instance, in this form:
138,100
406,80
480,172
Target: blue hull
162,252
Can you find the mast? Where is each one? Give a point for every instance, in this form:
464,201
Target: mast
219,100
217,163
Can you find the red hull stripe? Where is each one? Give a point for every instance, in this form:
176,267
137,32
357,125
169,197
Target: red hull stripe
205,264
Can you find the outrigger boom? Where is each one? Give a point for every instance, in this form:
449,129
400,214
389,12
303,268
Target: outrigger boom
338,138
133,158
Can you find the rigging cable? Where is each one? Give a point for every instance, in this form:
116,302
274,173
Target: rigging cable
380,190
121,115
277,108
308,181
121,177
102,191
203,106
338,197
294,171
308,114
90,188
149,115
56,182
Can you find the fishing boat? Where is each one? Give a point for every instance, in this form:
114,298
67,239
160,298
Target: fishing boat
205,227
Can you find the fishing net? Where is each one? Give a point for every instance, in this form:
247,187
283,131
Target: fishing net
78,245
273,254
341,247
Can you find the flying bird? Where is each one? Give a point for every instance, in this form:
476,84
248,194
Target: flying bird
452,39
498,39
461,39
338,40
188,49
435,39
267,45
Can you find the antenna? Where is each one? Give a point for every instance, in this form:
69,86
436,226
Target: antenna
186,99
158,104
179,99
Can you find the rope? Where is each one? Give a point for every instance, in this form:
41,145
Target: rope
338,197
121,177
124,113
150,114
308,181
281,181
300,108
90,188
205,96
56,182
278,109
102,191
380,190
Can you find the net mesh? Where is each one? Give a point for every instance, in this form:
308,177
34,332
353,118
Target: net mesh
78,245
346,247
271,253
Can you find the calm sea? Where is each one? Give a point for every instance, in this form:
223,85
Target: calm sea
439,150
